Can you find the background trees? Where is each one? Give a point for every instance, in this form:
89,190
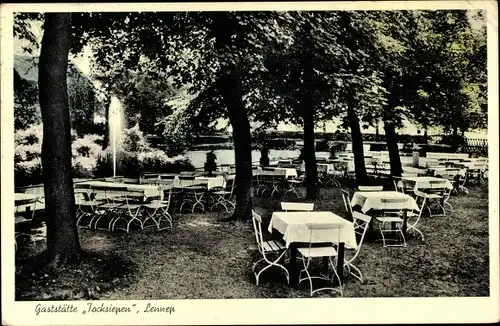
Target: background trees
176,70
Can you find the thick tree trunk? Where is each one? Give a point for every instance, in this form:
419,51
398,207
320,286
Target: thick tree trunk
311,180
426,139
392,147
62,236
357,147
230,85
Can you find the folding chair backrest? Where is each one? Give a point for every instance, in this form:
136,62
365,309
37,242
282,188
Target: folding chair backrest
346,200
257,227
389,201
370,188
361,223
134,195
395,180
330,232
230,185
322,168
303,207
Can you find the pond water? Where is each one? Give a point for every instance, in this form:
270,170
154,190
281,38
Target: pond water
226,156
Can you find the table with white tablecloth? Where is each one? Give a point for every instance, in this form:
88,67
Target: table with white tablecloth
287,172
293,227
149,190
447,171
373,200
425,183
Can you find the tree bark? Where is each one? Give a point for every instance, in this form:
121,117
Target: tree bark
230,85
357,147
392,147
309,153
62,236
231,88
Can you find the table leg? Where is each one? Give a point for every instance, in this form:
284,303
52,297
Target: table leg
405,218
340,261
292,268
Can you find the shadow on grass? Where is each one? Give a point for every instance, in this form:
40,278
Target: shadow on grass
94,274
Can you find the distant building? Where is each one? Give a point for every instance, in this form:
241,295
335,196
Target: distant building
82,96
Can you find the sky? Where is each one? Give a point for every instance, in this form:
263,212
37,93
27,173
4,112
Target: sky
84,60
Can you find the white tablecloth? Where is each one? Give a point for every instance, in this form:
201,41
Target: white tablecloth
293,226
411,169
473,165
149,190
373,200
328,167
212,182
443,171
418,183
434,155
289,173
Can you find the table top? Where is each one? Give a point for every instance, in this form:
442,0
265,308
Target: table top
373,200
23,199
149,190
293,226
427,182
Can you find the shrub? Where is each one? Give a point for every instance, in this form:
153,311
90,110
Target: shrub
28,173
158,161
135,141
89,160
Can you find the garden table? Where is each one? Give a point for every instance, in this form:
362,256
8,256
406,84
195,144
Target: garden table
424,183
212,182
411,169
289,172
24,203
443,171
149,190
473,165
293,227
372,200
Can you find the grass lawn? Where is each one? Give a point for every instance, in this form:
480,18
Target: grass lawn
202,257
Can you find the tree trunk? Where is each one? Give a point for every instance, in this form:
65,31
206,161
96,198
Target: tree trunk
392,147
357,147
426,139
309,154
62,236
105,142
230,85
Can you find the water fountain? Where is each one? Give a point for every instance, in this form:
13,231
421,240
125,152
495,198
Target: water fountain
116,123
